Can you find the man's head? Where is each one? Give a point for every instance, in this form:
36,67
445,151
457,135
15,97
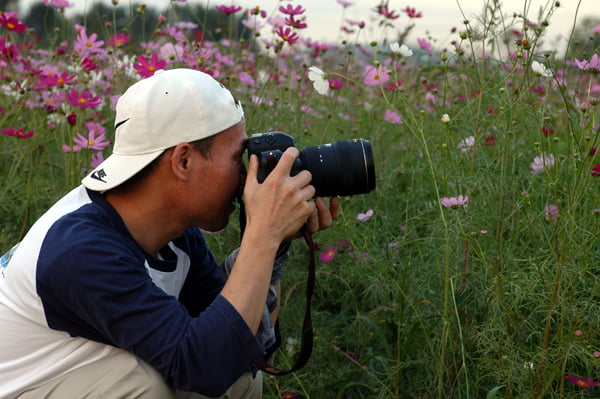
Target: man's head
159,112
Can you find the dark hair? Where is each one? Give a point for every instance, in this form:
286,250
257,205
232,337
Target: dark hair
203,146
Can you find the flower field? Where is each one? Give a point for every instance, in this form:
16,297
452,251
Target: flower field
472,271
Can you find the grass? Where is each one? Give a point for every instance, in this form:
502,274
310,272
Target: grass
497,297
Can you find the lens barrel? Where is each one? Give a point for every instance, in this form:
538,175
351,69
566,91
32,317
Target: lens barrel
340,168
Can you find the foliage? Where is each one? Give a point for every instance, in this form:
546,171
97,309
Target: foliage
474,274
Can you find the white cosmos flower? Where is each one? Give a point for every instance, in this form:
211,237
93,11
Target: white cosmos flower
401,51
540,69
319,80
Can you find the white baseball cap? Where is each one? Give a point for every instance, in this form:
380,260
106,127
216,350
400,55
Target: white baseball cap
171,107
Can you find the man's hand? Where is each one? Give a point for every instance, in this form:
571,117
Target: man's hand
282,203
323,216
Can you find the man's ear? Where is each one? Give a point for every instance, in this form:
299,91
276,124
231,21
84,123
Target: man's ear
181,160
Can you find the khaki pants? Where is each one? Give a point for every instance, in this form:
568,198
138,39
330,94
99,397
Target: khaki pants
126,376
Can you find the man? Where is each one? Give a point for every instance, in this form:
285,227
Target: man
113,292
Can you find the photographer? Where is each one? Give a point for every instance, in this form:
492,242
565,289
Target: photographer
113,292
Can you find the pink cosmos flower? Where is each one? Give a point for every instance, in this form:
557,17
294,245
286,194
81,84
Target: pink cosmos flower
345,3
229,9
383,10
147,67
10,21
291,10
118,40
392,117
60,4
551,213
328,255
596,170
19,133
96,139
287,35
376,75
97,159
295,23
88,64
412,13
257,11
246,79
541,162
583,383
454,202
52,79
83,100
425,45
591,66
363,217
86,45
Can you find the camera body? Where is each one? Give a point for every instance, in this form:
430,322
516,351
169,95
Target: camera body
340,168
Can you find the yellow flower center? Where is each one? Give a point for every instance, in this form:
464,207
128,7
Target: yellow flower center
89,44
82,101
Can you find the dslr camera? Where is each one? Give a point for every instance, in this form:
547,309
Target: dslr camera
339,168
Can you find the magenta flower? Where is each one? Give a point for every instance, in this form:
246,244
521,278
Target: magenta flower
118,40
146,68
583,383
376,75
591,66
19,133
229,9
454,202
392,117
291,10
384,11
83,100
10,21
596,170
50,80
289,395
287,35
363,217
328,255
412,13
295,23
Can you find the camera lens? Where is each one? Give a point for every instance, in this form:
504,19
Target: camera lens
340,168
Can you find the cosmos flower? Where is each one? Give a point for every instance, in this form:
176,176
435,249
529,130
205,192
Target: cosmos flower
375,76
319,80
401,50
392,117
363,217
19,133
540,69
329,254
541,162
454,202
583,383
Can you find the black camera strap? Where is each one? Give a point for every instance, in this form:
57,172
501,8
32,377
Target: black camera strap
307,332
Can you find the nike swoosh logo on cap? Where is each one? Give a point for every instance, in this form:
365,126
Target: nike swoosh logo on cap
120,123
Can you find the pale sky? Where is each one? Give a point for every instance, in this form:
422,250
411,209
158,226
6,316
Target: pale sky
324,17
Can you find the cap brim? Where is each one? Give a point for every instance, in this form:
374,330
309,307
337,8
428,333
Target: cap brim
116,169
